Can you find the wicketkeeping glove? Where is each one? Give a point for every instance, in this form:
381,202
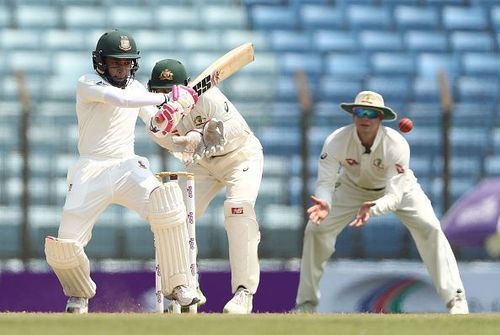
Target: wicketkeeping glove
213,136
191,146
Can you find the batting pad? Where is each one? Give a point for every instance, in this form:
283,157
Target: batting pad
70,264
243,236
167,216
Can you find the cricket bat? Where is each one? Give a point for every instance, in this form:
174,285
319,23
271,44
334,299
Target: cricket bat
219,70
223,68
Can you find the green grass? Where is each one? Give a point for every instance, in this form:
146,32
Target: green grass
208,324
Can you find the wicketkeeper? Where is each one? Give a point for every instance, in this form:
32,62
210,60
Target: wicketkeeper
217,145
108,171
364,171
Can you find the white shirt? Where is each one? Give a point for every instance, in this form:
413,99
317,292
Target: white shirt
107,116
386,166
214,104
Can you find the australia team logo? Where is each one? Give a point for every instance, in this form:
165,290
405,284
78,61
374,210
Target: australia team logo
378,164
166,74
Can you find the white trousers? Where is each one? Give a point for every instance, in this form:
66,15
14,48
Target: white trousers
94,184
240,173
415,212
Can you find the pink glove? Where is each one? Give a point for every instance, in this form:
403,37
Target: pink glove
165,119
185,96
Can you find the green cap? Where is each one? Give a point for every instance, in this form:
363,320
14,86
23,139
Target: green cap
166,73
117,44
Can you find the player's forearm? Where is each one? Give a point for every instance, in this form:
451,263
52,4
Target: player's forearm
165,141
324,191
388,203
395,189
120,98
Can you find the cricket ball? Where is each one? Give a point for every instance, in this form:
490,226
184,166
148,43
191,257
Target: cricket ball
405,125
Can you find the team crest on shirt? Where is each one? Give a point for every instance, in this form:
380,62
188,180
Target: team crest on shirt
400,168
378,164
166,75
125,43
351,161
198,120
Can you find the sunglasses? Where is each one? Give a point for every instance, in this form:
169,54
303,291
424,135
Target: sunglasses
369,113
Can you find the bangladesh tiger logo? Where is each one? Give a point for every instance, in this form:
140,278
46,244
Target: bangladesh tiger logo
125,43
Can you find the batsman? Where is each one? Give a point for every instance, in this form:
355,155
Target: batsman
108,103
217,145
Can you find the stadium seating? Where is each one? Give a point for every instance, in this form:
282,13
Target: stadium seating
313,16
395,47
415,17
334,40
273,17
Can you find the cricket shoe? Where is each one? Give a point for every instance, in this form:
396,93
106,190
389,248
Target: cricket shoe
77,305
201,296
458,305
303,308
186,309
241,303
184,295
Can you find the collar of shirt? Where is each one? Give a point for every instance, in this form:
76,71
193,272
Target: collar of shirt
376,141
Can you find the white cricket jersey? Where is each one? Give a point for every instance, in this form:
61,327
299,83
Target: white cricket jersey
214,104
107,115
386,166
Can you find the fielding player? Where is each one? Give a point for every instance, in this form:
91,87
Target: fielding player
108,103
235,162
364,171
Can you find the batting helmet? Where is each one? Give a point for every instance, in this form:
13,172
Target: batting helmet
116,44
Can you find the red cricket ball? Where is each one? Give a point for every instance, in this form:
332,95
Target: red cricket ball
405,125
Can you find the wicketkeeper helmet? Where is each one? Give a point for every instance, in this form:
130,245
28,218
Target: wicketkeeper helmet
166,73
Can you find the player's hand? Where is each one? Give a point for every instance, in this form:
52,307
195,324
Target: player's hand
190,146
318,211
185,96
363,215
213,136
165,120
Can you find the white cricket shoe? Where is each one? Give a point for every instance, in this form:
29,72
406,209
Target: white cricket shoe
187,309
241,303
201,296
303,308
184,295
77,305
458,305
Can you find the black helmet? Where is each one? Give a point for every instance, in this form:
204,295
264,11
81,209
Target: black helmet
115,44
166,73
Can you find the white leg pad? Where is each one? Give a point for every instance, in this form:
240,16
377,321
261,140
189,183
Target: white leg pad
70,264
167,216
243,236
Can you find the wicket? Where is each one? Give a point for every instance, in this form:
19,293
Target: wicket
188,196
